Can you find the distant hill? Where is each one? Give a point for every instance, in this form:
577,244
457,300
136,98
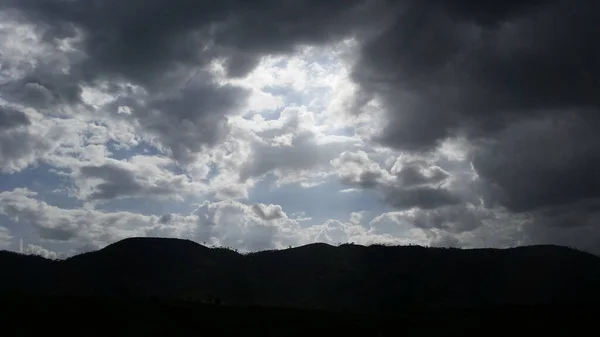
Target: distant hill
374,279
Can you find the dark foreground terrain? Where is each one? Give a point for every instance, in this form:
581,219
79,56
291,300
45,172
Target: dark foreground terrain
29,316
139,286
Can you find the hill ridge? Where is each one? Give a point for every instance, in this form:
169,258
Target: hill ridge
348,277
306,246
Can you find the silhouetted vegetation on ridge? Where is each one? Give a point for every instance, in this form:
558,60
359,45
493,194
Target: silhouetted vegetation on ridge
352,278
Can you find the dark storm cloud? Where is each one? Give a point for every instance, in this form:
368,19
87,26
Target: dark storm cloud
11,118
441,71
144,39
542,163
521,81
240,64
488,12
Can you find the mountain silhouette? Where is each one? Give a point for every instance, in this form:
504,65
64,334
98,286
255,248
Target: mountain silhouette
349,278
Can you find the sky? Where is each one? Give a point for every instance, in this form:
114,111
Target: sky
268,124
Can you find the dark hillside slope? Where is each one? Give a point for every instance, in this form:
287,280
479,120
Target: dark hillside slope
349,277
26,274
157,268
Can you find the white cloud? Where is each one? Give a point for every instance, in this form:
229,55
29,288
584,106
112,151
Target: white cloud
81,226
233,224
40,251
356,168
227,223
292,147
224,223
5,238
356,218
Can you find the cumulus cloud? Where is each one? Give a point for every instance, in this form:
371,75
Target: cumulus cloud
407,184
225,223
236,225
290,146
268,212
82,227
356,168
40,251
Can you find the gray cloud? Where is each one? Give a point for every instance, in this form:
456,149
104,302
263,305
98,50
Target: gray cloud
84,227
406,185
453,219
11,118
165,219
520,81
268,212
19,144
239,64
290,146
417,174
141,176
356,168
303,153
173,30
117,182
44,89
422,197
192,117
541,163
20,148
